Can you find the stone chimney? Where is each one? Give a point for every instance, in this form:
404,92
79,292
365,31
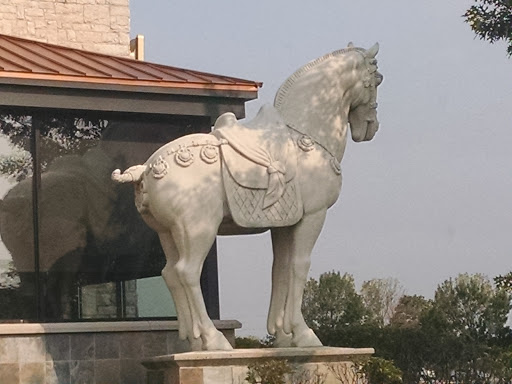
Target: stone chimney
101,26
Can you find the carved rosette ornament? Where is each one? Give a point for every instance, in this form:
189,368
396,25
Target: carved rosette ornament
159,168
306,143
335,166
184,157
209,154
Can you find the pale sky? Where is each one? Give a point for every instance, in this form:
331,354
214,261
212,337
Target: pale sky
429,197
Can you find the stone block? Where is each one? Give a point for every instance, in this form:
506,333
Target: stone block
107,346
107,371
82,346
33,373
58,372
130,345
6,28
82,372
109,49
132,372
116,22
10,373
62,34
58,347
32,13
101,28
9,9
20,12
104,300
78,27
9,16
8,350
239,373
31,28
116,10
309,365
155,377
40,23
31,349
71,36
191,376
118,2
215,375
155,344
47,5
97,14
110,38
69,10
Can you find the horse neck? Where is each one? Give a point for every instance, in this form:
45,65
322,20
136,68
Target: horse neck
314,106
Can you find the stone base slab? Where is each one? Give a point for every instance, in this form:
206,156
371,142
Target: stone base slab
325,365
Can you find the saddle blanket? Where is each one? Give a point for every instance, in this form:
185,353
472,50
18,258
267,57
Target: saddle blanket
259,166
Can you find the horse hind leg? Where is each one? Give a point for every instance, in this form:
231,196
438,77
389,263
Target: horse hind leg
177,290
193,243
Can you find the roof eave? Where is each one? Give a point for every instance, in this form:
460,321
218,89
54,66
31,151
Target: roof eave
247,91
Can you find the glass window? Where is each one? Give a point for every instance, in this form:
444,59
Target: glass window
17,267
97,258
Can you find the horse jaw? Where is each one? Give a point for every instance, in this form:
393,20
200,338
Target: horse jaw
363,123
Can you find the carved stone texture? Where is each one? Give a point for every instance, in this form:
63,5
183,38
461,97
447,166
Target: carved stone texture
269,178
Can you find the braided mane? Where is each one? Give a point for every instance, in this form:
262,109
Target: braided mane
283,90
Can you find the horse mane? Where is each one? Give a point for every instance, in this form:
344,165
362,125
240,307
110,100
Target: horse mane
283,90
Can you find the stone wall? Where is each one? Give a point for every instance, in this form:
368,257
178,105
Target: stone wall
101,26
92,353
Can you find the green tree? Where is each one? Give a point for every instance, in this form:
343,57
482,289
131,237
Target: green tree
466,329
332,302
380,297
381,371
504,282
408,311
491,20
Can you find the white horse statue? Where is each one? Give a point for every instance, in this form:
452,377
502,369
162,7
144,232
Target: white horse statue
278,172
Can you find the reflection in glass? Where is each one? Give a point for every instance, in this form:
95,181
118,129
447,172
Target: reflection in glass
92,242
17,268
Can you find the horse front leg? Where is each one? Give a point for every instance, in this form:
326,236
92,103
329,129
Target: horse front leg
281,262
297,242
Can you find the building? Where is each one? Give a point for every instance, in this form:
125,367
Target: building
79,292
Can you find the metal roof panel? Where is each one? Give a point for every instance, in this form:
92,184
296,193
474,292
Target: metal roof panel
22,58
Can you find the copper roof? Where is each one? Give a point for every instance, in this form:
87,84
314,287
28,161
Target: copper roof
32,60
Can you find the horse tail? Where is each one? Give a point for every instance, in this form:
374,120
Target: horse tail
135,175
131,175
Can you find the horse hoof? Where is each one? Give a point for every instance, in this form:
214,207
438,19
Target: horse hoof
306,338
196,344
283,340
217,342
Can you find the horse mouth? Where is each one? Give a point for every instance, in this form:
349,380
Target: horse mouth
371,130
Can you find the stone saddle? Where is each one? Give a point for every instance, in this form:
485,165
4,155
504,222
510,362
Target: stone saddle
259,168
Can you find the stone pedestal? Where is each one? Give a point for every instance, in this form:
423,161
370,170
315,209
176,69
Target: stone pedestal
324,365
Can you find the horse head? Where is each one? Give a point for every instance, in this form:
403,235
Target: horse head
362,115
325,97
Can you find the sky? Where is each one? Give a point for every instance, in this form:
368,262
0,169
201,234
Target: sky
429,197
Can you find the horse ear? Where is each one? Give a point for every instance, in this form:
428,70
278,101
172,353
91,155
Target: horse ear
372,52
350,45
